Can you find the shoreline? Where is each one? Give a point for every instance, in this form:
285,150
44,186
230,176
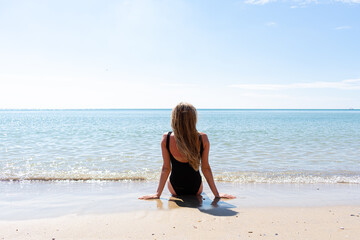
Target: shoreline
36,200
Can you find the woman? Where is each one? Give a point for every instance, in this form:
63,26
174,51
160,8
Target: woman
182,152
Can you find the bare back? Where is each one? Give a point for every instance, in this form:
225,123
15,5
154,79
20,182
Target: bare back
175,151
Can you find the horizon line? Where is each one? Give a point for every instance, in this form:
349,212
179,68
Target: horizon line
114,109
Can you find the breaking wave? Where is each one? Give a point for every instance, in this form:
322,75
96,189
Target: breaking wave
233,177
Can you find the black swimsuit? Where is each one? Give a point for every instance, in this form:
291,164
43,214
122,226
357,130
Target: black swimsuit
184,179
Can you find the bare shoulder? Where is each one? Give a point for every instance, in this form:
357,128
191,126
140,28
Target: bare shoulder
204,137
164,138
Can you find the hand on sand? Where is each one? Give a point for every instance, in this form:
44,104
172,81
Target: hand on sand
148,197
227,196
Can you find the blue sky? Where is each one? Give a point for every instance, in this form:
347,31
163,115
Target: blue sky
154,54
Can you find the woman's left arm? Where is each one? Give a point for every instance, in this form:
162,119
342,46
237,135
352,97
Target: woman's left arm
206,170
166,169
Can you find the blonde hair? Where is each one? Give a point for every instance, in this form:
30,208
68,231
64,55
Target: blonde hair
183,123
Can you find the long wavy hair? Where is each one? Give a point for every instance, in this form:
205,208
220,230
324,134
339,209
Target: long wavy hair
183,123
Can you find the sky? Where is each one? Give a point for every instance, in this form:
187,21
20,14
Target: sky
63,54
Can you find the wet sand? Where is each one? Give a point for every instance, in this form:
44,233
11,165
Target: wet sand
112,211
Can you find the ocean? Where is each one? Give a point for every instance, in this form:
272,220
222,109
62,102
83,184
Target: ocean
247,146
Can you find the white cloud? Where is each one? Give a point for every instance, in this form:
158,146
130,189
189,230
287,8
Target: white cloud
300,2
342,27
271,24
258,2
59,92
257,95
349,1
179,85
351,84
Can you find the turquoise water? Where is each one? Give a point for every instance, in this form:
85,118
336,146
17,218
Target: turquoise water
268,146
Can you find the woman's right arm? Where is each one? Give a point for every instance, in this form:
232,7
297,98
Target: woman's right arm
206,169
166,169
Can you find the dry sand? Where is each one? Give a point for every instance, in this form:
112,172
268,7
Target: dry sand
179,221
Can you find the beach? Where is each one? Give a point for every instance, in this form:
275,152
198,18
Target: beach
102,102
250,223
107,211
77,174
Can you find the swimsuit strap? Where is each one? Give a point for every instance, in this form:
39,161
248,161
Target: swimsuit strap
201,145
168,141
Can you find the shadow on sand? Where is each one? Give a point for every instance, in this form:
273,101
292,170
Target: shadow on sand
214,207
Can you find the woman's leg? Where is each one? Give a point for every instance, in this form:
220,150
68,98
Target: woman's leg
171,189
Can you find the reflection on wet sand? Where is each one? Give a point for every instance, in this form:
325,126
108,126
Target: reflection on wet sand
214,207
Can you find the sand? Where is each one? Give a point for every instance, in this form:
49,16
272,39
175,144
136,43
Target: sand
336,222
112,211
181,220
